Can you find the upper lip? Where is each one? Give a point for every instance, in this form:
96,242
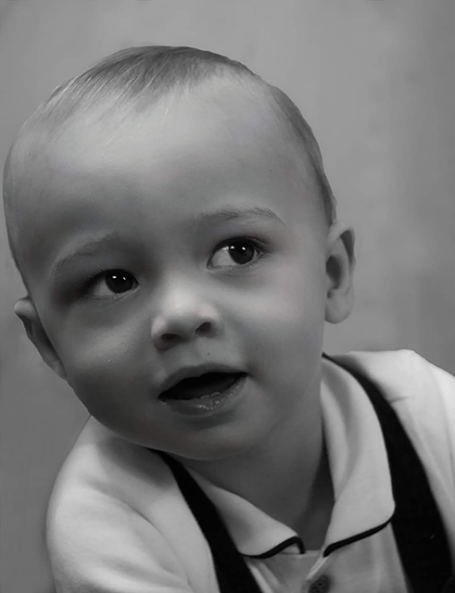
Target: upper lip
194,371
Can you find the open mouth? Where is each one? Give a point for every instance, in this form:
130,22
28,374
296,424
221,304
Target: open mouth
206,385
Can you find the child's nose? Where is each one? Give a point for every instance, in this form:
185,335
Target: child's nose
183,316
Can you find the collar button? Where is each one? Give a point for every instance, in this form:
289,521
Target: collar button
320,585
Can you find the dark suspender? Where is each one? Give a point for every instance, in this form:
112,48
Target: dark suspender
232,572
417,524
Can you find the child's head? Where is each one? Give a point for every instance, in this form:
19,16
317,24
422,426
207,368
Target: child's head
170,216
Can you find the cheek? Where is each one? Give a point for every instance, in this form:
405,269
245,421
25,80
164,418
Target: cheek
289,343
102,367
283,327
290,309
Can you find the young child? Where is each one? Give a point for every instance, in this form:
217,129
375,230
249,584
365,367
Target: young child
170,216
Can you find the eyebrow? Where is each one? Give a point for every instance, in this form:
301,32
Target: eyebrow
86,250
225,214
228,213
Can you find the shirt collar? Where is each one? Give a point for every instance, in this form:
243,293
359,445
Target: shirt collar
360,475
357,457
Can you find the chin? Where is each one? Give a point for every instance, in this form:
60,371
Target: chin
214,449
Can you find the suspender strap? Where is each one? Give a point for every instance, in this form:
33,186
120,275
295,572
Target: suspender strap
232,572
417,524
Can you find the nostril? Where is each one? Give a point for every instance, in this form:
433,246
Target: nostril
169,338
204,329
180,332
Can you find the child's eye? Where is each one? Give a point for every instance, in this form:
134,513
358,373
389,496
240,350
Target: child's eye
111,282
236,252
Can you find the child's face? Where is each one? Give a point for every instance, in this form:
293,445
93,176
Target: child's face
180,239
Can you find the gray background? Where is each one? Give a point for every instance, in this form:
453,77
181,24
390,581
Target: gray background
375,78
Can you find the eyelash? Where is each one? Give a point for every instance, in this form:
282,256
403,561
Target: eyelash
82,292
258,245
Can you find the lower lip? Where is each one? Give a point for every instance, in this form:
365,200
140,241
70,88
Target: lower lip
208,404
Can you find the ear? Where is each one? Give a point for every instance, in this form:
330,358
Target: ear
340,263
27,313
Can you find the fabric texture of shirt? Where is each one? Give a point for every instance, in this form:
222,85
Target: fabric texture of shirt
117,522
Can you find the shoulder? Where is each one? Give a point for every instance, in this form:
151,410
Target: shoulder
408,381
423,397
422,394
103,464
116,515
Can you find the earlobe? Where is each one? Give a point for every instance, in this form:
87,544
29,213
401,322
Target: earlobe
27,313
340,265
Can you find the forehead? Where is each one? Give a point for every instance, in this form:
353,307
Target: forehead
183,148
209,123
217,120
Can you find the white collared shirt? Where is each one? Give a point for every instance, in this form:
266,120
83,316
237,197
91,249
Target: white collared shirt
118,523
